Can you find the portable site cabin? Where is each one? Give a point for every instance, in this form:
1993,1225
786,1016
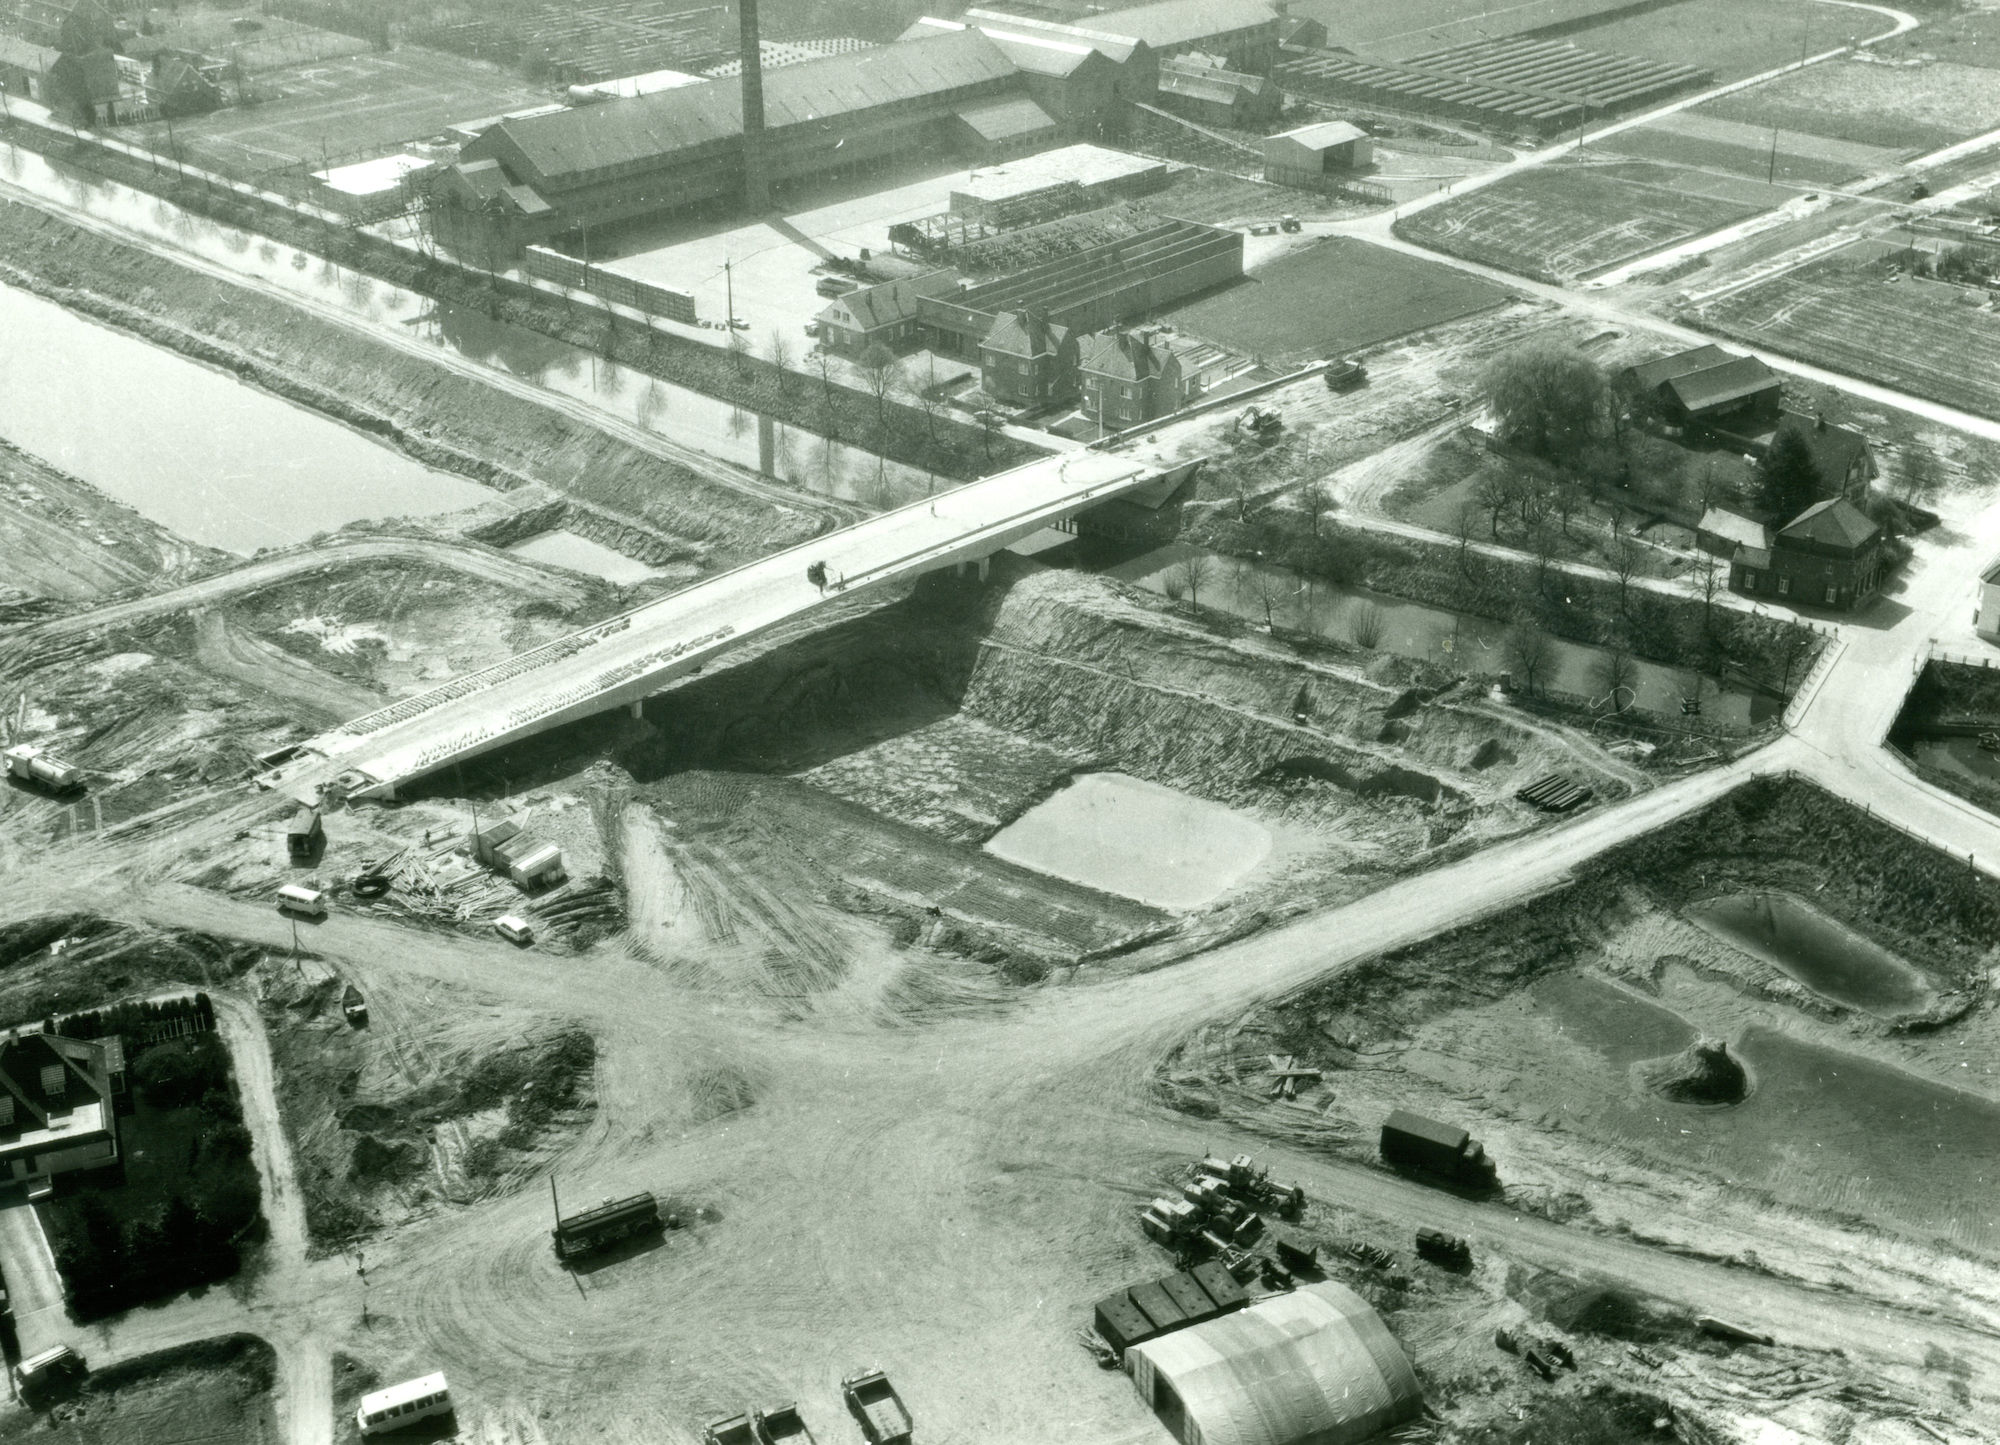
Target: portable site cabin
1313,1367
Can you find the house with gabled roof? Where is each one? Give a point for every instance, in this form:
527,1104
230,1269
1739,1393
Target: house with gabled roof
1710,387
1831,555
886,313
1027,360
56,1106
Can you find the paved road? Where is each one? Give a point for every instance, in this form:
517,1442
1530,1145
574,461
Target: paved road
34,1289
632,656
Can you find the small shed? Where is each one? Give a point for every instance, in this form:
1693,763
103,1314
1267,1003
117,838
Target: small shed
487,840
1313,1367
1314,156
304,833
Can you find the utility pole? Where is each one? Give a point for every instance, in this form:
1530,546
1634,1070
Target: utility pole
729,286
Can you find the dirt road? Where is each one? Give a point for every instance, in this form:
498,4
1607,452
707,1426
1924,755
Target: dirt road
481,562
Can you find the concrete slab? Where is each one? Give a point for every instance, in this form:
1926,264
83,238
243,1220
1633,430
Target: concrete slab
34,1288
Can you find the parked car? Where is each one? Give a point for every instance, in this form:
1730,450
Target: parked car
515,929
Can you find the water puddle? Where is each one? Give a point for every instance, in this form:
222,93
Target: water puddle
193,449
579,554
1454,640
1961,755
1820,1127
1136,839
1826,956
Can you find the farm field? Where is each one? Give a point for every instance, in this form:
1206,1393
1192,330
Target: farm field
1839,313
348,108
1713,143
1556,224
1733,38
1909,109
1411,27
1336,296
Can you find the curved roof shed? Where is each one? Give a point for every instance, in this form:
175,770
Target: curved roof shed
1313,1367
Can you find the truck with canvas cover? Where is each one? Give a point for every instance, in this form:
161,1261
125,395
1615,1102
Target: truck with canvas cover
32,764
609,1222
1411,1141
878,1407
736,1430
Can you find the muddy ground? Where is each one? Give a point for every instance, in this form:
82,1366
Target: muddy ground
1544,1032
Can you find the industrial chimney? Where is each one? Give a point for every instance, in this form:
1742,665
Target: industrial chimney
756,189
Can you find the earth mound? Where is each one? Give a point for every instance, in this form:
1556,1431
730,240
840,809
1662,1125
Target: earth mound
1704,1072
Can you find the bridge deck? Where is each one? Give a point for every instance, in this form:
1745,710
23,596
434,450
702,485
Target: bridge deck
628,657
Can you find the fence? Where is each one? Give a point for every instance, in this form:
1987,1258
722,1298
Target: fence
1809,688
609,285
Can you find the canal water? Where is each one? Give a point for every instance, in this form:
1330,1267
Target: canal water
192,448
1820,1127
1820,952
1961,755
1136,839
1455,640
802,458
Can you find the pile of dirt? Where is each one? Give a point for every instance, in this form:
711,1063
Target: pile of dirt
1704,1072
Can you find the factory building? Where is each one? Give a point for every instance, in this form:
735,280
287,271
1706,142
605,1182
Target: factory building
1314,157
683,147
1136,63
1070,79
1198,88
1243,33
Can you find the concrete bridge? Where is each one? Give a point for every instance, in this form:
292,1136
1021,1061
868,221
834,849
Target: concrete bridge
625,659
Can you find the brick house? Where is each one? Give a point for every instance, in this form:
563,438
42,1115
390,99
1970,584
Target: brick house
1025,360
1831,555
56,1106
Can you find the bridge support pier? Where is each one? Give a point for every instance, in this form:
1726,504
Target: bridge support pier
637,707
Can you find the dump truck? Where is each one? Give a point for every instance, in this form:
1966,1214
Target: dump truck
780,1424
609,1222
32,763
878,1408
736,1430
1411,1141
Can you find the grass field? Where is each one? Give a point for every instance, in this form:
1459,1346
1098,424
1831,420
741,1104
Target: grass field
356,104
1556,224
1733,38
1411,27
1747,150
1914,335
1333,297
1969,38
1903,108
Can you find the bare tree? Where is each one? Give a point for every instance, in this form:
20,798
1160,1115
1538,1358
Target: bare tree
884,373
1542,543
831,413
778,351
990,425
1239,488
1315,501
1530,653
1496,495
1193,571
1462,535
1616,674
1919,474
1268,587
1624,566
1365,625
739,351
1570,496
1711,580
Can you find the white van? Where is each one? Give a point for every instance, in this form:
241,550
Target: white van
299,899
49,1366
403,1404
515,929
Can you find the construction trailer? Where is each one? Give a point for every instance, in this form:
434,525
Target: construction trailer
607,1224
1411,1141
31,763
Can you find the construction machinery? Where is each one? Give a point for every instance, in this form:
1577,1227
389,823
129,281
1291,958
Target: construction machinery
1447,1251
1290,225
1345,374
353,1007
1242,1179
32,763
1259,422
879,1409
